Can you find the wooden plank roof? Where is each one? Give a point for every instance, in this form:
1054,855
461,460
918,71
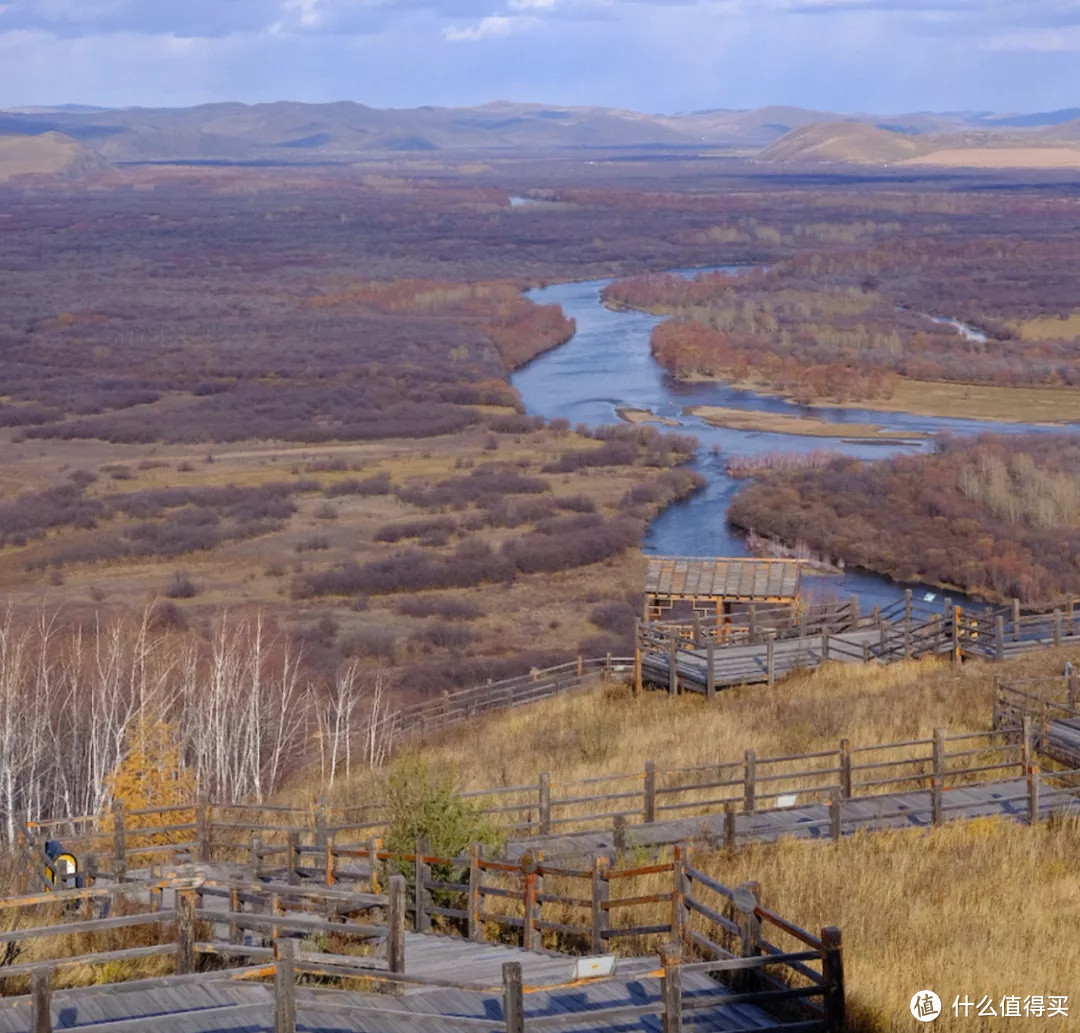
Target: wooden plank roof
686,577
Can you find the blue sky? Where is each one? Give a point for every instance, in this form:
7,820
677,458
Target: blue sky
653,55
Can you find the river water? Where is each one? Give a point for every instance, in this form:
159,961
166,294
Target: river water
608,364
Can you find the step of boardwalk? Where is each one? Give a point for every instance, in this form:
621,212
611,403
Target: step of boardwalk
1006,800
187,1005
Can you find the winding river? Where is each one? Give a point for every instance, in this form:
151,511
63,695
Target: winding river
608,365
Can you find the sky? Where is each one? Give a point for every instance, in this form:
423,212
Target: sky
884,56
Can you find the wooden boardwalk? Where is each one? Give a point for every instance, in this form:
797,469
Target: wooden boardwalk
761,662
186,1004
1006,799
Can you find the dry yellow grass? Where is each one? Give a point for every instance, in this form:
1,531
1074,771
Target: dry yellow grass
982,908
962,401
1050,328
807,426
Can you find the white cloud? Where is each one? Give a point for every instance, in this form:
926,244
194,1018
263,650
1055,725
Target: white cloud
1065,40
532,5
494,26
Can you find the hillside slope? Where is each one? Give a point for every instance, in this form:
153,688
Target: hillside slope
47,154
843,142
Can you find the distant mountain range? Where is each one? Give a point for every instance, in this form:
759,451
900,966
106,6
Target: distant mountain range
340,132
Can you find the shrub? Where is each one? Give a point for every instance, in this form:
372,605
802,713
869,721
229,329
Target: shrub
425,803
448,608
615,617
378,485
373,642
180,586
444,635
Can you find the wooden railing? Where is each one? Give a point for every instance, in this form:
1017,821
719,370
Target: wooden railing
454,707
699,924
278,839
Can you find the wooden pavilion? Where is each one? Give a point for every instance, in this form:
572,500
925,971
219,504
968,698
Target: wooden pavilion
714,590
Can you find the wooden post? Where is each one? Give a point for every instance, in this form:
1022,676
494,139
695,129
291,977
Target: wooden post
770,661
938,785
236,934
545,804
649,794
637,657
395,932
580,667
202,823
185,932
678,891
421,877
836,820
256,857
1069,614
749,938
513,997
673,670
292,873
329,873
1016,619
832,969
749,781
729,826
318,820
753,623
41,1002
607,666
710,668
1072,689
619,835
824,643
475,931
530,935
999,637
119,840
671,987
285,987
601,894
845,768
1025,745
1057,629
954,616
373,862
697,630
1033,794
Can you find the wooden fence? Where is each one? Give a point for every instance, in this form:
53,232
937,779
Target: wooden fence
756,956
693,656
454,707
275,840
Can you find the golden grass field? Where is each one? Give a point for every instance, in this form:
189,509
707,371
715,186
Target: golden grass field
982,908
807,426
1047,405
1050,328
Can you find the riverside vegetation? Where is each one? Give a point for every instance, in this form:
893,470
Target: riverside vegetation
995,516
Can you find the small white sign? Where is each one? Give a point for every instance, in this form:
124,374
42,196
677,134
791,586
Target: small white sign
594,968
787,801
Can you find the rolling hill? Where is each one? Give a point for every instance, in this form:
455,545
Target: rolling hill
844,142
293,132
47,154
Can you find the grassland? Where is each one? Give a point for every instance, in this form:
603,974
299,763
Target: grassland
1050,328
806,426
539,613
982,908
1044,405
